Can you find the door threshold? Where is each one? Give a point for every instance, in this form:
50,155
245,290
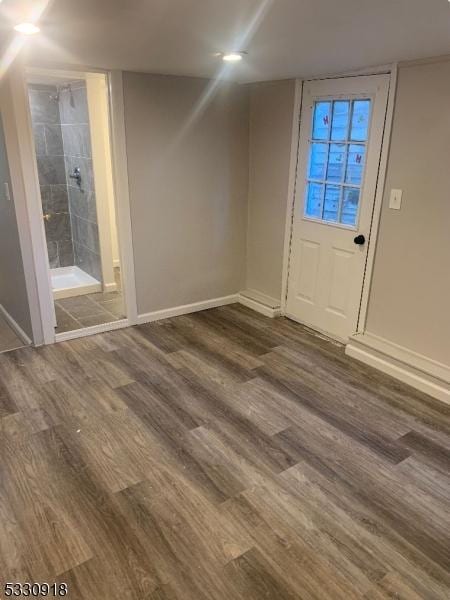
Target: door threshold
102,328
333,339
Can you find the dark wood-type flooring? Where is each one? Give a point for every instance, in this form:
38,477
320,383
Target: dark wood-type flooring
220,455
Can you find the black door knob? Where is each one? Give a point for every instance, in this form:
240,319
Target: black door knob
360,240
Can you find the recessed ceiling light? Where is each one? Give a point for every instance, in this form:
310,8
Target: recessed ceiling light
27,28
232,56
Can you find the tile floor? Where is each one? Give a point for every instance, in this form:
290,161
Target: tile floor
8,338
91,309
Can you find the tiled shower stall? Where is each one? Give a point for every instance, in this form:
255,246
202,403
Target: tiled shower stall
60,120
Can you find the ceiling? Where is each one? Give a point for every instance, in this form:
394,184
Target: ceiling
284,38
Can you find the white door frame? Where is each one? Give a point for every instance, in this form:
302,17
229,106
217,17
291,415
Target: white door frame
34,205
27,199
294,160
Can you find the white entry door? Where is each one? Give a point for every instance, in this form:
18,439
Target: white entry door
341,134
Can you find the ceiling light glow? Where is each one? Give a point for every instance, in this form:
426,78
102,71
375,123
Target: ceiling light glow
27,28
232,57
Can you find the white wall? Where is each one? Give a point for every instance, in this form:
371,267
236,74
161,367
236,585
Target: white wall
188,179
13,292
410,294
271,117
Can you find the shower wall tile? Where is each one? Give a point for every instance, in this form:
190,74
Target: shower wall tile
57,228
54,199
52,249
77,140
54,140
82,204
60,254
59,199
43,104
39,139
88,261
73,105
85,232
51,170
86,169
52,173
65,253
46,191
82,201
62,139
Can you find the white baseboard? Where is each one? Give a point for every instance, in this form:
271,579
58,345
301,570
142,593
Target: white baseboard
14,326
185,309
267,306
421,372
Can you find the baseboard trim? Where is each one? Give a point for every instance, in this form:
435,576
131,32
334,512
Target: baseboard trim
15,326
419,361
185,309
416,370
265,305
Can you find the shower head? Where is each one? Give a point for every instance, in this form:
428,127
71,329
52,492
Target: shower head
56,97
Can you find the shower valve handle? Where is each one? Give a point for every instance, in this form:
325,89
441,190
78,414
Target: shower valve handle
76,175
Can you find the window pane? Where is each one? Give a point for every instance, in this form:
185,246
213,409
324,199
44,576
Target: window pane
350,206
336,163
322,120
339,128
355,164
314,200
360,120
318,162
331,204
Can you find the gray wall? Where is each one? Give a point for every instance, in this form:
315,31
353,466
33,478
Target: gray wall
82,204
271,115
410,294
13,292
52,175
188,181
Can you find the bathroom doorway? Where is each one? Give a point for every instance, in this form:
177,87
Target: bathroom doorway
71,129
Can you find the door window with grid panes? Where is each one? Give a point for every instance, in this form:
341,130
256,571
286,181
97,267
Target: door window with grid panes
340,130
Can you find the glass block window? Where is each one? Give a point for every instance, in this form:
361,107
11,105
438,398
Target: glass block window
337,158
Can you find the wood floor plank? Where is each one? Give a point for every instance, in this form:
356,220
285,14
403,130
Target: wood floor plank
384,492
305,569
220,456
54,543
256,579
350,421
433,453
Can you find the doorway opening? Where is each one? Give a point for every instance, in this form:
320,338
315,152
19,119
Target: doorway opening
71,128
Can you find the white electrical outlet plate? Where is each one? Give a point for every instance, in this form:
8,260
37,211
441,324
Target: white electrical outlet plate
395,201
